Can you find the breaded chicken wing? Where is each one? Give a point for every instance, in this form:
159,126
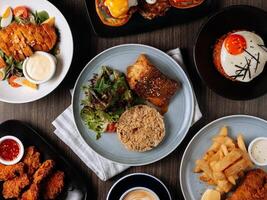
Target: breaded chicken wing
12,188
31,160
43,171
54,185
32,193
11,171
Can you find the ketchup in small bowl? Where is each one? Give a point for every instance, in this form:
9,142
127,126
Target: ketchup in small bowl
11,150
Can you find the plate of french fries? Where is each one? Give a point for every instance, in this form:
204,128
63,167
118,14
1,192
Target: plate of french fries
217,157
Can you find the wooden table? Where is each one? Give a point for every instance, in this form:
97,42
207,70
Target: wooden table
41,113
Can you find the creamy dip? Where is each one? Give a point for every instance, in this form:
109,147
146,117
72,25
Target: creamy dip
259,151
39,67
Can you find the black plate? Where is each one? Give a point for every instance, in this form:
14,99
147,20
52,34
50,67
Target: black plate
239,17
75,188
138,24
138,180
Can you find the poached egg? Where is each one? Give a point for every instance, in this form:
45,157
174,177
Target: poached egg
119,8
243,55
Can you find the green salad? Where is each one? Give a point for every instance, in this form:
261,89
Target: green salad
107,96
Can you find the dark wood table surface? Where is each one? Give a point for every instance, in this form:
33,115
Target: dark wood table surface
40,114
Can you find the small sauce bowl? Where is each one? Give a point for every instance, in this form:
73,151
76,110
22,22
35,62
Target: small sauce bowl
11,150
257,151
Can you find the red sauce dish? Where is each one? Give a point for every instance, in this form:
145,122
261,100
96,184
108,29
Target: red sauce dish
11,150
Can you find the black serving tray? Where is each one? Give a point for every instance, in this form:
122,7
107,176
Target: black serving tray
137,24
75,188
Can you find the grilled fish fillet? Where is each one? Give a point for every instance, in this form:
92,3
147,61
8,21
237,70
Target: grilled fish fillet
21,40
150,83
254,187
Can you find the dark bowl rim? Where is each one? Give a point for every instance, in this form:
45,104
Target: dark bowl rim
196,38
138,174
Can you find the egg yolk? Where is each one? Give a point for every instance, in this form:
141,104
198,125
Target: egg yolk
6,13
235,44
117,8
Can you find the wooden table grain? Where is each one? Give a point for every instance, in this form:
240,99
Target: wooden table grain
41,113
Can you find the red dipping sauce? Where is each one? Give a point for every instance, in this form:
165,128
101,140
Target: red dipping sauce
9,149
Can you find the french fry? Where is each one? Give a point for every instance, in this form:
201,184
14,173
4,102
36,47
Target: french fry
224,149
218,176
214,147
204,166
215,157
197,169
224,185
227,160
237,167
224,162
205,178
208,155
231,179
224,140
223,131
241,143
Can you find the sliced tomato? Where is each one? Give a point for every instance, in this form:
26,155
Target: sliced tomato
183,4
21,11
111,127
12,83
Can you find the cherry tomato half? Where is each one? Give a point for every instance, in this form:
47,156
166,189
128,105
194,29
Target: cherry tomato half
21,11
12,83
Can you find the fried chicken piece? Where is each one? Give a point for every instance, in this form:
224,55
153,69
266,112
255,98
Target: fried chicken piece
32,160
11,171
20,40
253,187
12,188
54,185
151,11
43,171
32,193
150,83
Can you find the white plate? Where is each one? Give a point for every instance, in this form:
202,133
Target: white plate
24,94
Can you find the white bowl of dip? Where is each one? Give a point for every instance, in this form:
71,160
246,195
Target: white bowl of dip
12,147
39,67
257,150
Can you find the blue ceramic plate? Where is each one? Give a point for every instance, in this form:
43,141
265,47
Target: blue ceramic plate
251,127
177,120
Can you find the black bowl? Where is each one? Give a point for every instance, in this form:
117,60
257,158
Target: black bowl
138,180
239,17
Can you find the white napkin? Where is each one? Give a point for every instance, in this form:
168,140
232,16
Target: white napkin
103,168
